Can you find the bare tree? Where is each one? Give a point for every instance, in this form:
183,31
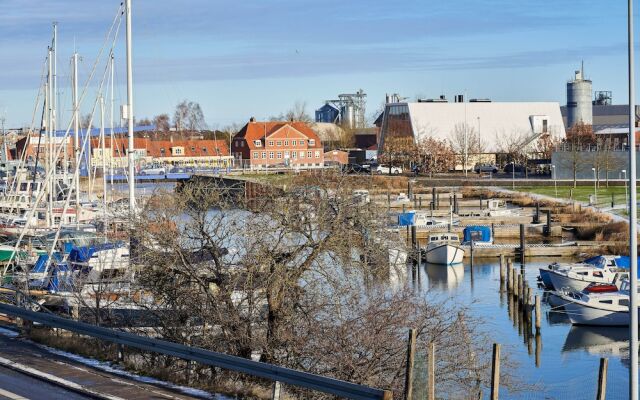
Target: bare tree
296,113
435,155
579,140
466,142
189,116
162,122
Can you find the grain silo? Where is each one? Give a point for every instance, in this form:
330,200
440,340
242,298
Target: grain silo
579,108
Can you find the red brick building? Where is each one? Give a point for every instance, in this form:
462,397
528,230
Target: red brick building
269,144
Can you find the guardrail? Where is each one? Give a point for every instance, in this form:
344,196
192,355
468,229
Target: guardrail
268,371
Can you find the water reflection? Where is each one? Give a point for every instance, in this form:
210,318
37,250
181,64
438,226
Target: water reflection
444,276
599,341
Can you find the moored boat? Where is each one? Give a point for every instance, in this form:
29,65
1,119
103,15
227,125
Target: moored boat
444,249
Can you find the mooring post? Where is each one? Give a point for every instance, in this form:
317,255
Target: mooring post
420,202
538,315
493,230
472,257
408,377
410,189
502,271
404,208
613,202
414,238
519,289
275,393
523,242
415,202
547,227
431,372
536,216
455,203
495,371
433,197
602,379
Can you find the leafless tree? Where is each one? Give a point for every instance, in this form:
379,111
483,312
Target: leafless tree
162,122
189,116
296,113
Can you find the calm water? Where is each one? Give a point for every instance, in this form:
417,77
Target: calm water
568,362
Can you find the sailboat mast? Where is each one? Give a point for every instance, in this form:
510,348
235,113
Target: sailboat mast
130,150
50,133
104,165
76,139
111,142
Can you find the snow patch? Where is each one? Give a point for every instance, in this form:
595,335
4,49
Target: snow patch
108,367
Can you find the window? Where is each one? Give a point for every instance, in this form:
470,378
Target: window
286,142
623,302
312,142
193,148
204,150
317,154
162,151
270,142
293,143
294,154
302,154
271,155
256,154
279,143
264,155
258,143
286,154
309,154
279,156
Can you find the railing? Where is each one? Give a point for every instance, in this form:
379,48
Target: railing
268,371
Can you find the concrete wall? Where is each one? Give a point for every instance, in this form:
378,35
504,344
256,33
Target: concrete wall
585,160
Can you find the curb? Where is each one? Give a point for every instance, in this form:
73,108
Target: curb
54,380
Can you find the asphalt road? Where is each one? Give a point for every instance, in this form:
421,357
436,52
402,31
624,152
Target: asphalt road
17,386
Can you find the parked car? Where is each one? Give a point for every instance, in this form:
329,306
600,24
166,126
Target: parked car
354,168
510,168
153,171
384,169
485,168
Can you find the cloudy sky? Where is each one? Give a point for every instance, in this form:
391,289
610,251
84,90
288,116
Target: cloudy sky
258,57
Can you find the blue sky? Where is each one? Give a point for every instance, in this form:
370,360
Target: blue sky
258,57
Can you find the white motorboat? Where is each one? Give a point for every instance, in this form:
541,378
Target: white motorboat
577,276
598,308
400,200
444,249
422,220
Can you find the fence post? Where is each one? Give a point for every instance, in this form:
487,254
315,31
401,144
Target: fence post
495,372
275,394
602,379
411,353
431,372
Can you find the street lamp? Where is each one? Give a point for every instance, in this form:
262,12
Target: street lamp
626,194
555,181
595,188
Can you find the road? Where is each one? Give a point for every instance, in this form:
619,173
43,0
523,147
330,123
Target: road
40,366
17,386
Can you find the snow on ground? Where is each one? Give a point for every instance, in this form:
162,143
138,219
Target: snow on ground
116,370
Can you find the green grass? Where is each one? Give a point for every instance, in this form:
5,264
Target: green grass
580,193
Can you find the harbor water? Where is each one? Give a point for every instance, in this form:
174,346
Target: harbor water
566,366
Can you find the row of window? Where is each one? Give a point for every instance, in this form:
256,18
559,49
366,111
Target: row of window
287,154
294,142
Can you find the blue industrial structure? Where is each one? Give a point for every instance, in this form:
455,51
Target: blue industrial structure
328,113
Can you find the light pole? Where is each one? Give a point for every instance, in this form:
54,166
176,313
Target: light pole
633,219
555,181
595,189
626,194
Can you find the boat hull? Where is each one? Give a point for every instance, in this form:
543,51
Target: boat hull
444,254
561,281
580,313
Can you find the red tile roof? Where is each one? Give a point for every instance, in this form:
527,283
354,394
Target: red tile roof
259,130
192,148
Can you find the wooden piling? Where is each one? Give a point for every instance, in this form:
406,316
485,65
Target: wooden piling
602,379
495,372
275,393
536,216
523,244
502,270
431,372
404,208
547,228
538,315
408,377
519,288
420,202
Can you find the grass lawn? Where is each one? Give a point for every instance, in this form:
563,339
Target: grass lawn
580,193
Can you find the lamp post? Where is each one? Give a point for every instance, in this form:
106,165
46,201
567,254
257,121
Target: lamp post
595,189
555,181
626,194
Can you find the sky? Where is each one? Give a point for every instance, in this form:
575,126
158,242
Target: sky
258,58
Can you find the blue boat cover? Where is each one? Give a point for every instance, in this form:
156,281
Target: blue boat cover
407,218
621,261
478,234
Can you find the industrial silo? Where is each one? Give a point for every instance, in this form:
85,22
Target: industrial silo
579,108
349,116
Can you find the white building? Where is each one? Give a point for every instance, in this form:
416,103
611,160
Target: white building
494,125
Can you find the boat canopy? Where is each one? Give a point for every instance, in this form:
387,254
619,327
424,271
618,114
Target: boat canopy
407,218
477,233
602,261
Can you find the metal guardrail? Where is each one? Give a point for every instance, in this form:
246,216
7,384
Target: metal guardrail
268,371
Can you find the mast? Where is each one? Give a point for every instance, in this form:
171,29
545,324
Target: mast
129,115
633,221
50,133
76,140
111,147
104,165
